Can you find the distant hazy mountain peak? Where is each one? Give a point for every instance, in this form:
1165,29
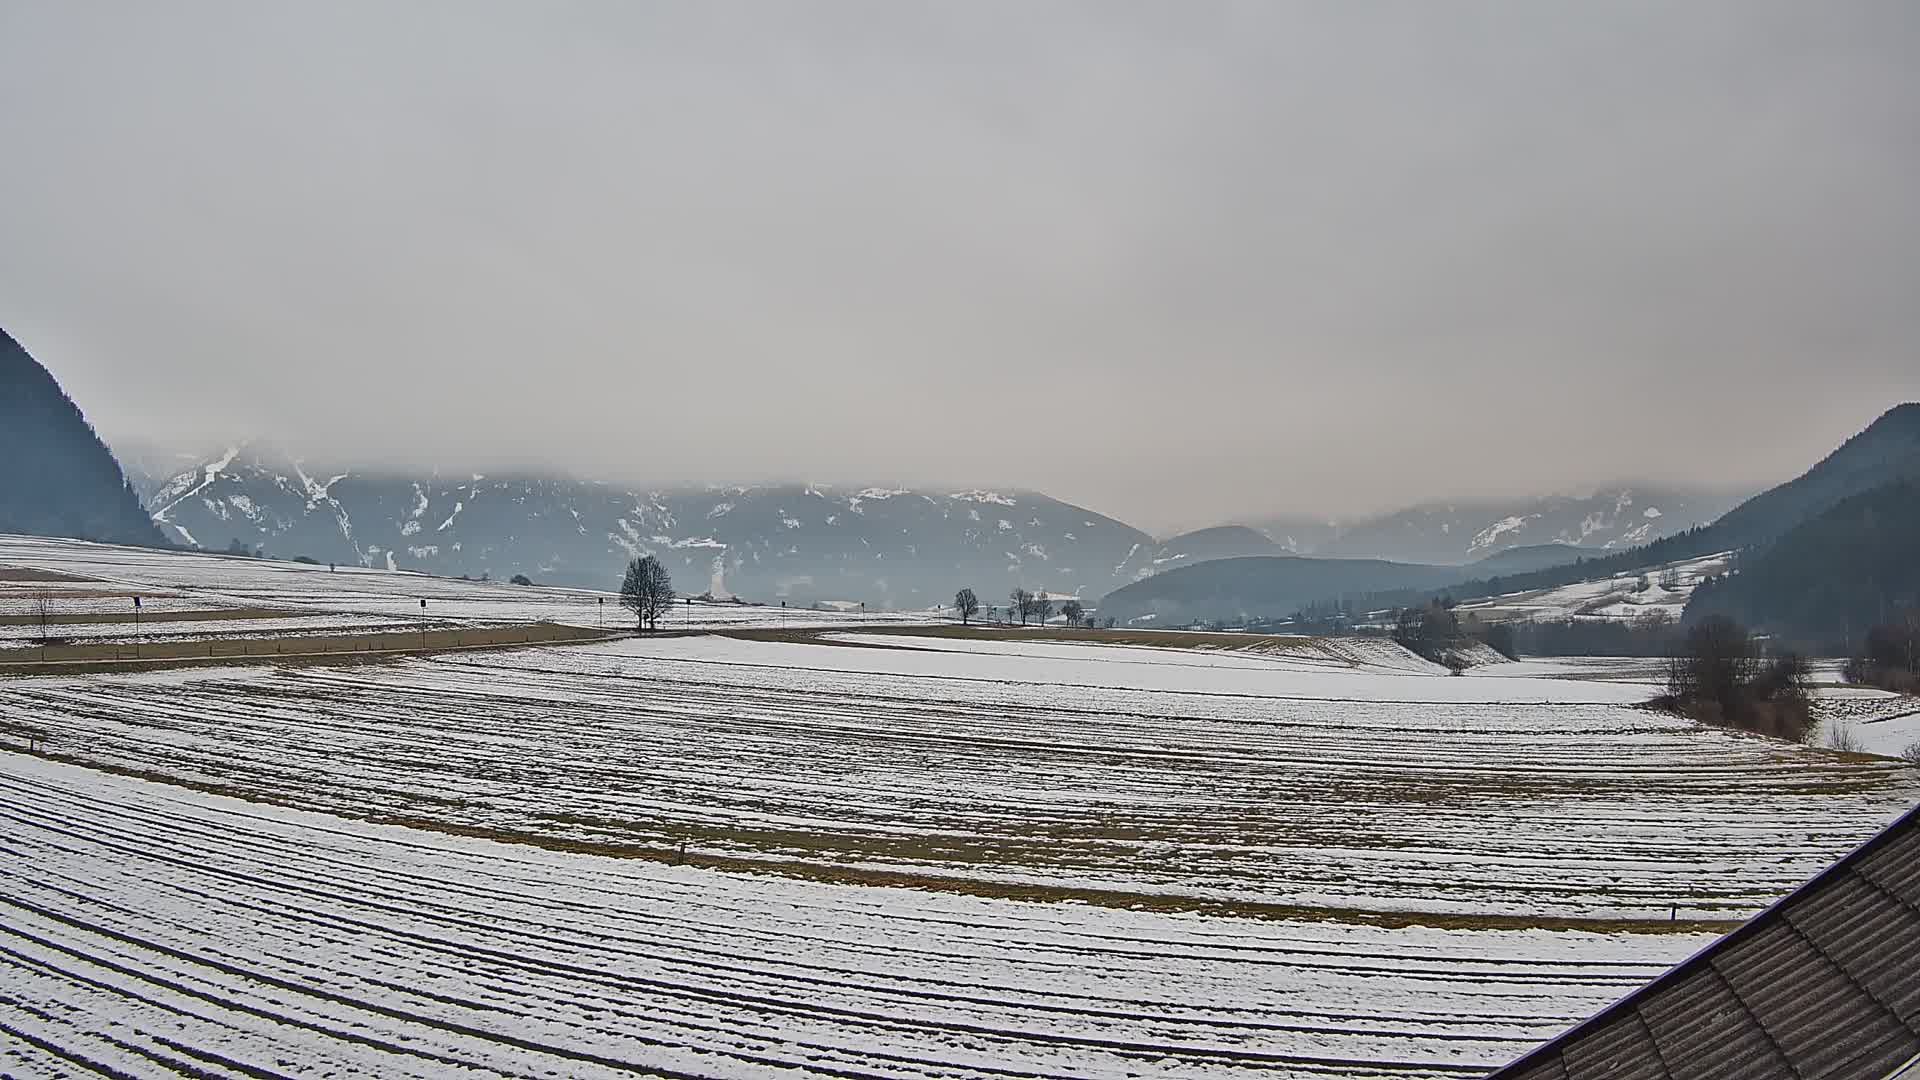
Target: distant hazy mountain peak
1459,531
803,542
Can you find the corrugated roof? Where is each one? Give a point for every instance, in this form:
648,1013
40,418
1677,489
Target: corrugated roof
1824,985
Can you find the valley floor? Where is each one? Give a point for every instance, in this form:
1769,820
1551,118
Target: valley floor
859,854
148,928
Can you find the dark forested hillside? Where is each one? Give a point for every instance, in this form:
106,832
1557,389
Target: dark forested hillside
56,477
1521,560
1887,451
1263,587
1823,583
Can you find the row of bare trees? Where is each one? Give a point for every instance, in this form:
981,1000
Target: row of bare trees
1021,604
647,591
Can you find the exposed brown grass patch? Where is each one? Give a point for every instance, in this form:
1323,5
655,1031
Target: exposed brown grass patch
96,618
29,573
1158,639
309,648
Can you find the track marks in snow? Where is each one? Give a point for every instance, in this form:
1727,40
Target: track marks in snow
159,926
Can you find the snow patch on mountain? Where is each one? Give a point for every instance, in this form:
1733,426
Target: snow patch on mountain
188,484
1486,538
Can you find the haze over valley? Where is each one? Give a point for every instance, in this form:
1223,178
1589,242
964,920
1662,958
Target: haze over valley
847,540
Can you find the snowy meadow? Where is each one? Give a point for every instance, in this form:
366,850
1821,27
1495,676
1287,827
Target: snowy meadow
853,850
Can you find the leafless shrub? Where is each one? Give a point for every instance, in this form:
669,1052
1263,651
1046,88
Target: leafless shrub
1843,738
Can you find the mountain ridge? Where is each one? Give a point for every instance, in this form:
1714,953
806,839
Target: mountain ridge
1462,531
1886,452
802,542
71,484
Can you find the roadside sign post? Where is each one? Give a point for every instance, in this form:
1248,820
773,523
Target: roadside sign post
423,624
136,626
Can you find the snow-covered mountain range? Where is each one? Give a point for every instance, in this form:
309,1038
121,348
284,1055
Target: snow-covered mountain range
801,543
1466,531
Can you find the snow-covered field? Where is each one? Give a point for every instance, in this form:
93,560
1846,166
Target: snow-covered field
1869,720
1217,778
214,581
157,931
907,854
1617,597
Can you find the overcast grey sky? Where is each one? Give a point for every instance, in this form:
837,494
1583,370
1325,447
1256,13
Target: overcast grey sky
1179,262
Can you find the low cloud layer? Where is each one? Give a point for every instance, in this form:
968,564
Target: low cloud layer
1179,262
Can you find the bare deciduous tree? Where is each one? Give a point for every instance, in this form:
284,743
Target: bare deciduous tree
43,610
1020,602
1042,609
967,604
647,591
1073,610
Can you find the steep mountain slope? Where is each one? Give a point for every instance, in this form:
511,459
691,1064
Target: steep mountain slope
59,479
1887,451
1261,587
1828,579
801,543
